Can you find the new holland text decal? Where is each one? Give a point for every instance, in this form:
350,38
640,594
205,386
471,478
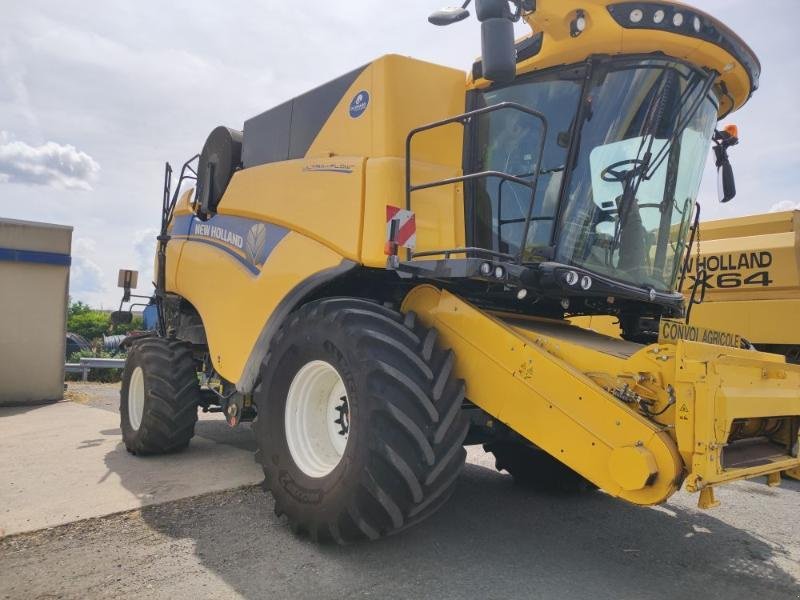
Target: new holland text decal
725,271
250,242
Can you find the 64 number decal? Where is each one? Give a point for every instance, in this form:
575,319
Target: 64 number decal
732,280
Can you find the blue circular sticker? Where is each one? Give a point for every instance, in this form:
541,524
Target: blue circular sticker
359,104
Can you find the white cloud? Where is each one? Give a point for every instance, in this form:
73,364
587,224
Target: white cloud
784,205
86,276
50,164
133,90
145,249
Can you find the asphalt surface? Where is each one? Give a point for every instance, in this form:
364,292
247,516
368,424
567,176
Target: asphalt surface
492,540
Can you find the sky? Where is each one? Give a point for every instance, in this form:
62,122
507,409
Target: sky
96,95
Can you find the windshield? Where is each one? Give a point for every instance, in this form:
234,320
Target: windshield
508,141
641,152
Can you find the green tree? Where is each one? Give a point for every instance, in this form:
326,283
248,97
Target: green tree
91,324
78,308
94,324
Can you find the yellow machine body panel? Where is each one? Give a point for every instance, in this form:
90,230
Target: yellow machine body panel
234,303
573,393
294,195
183,211
325,208
432,207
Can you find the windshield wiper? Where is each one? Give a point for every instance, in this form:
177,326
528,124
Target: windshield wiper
645,165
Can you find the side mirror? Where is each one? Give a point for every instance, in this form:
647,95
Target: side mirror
726,183
121,317
498,54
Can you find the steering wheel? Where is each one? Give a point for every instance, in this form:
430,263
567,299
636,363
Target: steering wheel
614,173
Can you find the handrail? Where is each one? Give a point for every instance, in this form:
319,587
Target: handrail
470,250
463,120
688,256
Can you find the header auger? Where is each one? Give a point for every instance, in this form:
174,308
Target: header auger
380,271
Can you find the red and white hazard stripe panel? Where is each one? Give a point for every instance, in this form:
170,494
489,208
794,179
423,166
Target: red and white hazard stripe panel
401,229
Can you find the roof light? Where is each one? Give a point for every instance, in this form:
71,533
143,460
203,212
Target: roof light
499,272
661,16
578,24
486,269
586,283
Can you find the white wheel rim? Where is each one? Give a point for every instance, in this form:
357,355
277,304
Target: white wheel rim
317,419
136,399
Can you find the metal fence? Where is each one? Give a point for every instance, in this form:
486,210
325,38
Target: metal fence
87,364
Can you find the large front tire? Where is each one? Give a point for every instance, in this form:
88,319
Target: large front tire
359,427
159,396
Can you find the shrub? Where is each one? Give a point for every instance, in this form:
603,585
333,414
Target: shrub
97,375
91,324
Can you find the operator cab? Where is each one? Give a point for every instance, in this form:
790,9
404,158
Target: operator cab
636,141
581,177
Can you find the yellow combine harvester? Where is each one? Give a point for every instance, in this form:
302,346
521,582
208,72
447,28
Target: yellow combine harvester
379,272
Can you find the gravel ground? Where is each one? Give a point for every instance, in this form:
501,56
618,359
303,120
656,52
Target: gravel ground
493,540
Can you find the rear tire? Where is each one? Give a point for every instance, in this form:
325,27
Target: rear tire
404,429
534,468
159,396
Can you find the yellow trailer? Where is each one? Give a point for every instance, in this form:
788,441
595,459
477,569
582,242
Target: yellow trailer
381,271
750,270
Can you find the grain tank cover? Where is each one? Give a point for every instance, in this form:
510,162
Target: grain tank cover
221,157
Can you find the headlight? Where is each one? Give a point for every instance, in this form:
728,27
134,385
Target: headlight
571,278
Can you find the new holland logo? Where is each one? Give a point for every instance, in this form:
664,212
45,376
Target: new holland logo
255,242
359,104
